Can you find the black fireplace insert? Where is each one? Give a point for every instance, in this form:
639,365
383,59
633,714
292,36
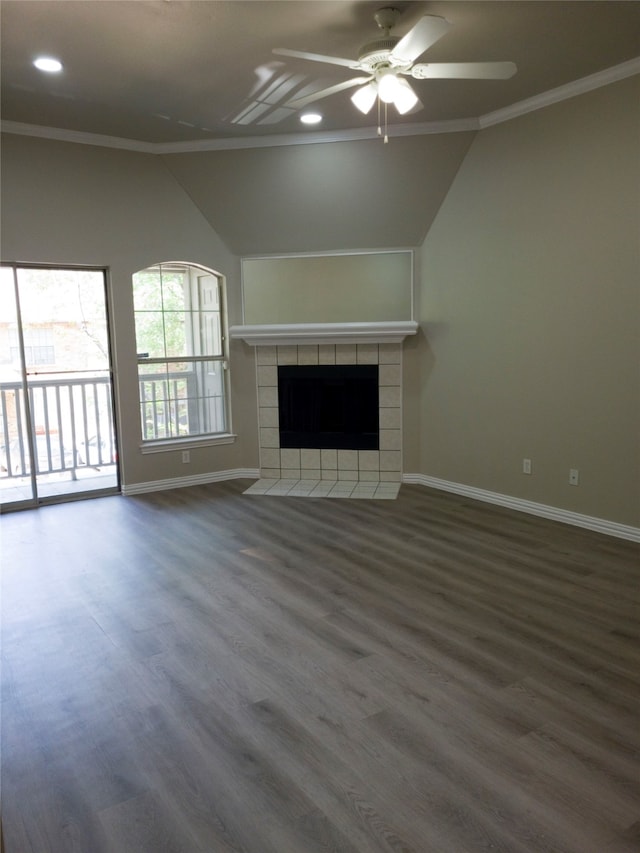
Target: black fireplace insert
329,406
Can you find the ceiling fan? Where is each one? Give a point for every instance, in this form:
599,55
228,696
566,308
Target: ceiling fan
389,59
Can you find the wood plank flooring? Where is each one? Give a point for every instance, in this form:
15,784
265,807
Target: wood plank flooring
203,671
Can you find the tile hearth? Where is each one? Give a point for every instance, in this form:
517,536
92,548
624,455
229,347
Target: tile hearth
325,489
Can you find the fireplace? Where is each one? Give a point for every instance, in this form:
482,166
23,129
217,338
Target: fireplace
316,462
345,343
328,406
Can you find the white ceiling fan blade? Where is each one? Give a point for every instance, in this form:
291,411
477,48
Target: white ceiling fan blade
299,103
315,57
426,32
464,70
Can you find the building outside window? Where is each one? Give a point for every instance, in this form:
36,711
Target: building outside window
39,348
182,359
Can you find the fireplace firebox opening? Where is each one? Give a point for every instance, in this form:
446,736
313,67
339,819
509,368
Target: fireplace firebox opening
329,406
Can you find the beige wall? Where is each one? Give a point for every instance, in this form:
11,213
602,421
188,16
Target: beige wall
77,204
323,197
529,309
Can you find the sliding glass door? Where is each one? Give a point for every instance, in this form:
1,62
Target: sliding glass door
57,430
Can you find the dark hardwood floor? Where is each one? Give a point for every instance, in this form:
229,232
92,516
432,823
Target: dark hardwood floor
205,671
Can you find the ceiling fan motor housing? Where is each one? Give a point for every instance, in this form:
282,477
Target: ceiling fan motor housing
375,52
386,18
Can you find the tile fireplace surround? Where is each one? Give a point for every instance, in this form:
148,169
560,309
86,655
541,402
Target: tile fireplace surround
330,343
384,465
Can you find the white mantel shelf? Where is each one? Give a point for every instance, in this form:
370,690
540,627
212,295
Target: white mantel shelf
291,334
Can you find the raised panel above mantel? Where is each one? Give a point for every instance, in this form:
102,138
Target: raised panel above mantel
291,334
355,287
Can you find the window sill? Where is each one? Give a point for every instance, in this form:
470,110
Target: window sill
173,444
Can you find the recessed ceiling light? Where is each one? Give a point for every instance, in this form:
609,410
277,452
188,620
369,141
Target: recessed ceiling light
310,118
48,63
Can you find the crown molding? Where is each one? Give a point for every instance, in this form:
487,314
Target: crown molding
537,102
60,134
562,93
353,135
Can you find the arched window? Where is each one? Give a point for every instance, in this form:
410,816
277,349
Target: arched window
182,359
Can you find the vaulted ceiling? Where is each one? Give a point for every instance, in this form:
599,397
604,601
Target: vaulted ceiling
198,82
358,194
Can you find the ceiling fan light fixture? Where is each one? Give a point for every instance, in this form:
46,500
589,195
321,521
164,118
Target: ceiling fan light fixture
387,85
365,97
405,98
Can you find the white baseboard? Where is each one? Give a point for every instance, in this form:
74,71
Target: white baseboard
194,480
599,525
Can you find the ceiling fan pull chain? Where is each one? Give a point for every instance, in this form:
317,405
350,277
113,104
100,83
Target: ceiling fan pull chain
386,136
379,123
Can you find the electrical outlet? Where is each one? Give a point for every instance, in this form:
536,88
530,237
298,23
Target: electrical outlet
573,476
186,456
526,466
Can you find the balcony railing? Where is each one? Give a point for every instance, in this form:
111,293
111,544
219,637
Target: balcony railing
72,419
183,403
71,426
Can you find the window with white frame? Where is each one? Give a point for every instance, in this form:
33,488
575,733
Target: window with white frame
181,344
